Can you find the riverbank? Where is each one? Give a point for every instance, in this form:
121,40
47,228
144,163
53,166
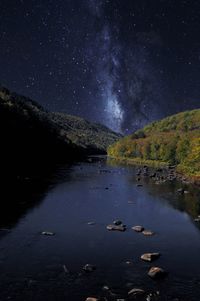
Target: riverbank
170,172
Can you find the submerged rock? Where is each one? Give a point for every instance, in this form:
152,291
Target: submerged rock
150,256
91,299
66,269
148,232
129,284
116,228
89,268
105,288
128,262
136,292
48,233
157,273
91,223
138,228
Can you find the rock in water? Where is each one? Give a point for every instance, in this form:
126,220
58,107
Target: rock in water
157,273
150,256
136,292
180,190
138,228
47,233
91,223
148,232
128,262
105,288
117,222
116,228
89,268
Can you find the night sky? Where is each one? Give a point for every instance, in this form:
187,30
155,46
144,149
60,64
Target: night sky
123,63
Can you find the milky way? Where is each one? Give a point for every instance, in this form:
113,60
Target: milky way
120,63
127,85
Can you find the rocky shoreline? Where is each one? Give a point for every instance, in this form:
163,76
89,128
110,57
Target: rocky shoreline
159,171
169,173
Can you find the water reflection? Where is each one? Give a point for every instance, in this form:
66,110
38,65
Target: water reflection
64,201
23,192
167,190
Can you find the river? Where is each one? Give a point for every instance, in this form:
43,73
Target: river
76,203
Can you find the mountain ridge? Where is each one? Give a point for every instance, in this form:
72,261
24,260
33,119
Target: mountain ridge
31,134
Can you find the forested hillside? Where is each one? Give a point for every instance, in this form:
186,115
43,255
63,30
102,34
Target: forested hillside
174,140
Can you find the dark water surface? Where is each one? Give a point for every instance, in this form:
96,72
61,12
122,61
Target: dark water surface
31,264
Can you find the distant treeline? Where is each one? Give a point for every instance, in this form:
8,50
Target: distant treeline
174,140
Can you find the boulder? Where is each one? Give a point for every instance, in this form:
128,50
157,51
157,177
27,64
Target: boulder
150,256
116,228
180,190
136,292
117,222
138,228
157,273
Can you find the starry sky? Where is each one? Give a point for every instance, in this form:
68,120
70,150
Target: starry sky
122,63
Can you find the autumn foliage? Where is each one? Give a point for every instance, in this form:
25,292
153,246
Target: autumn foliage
174,140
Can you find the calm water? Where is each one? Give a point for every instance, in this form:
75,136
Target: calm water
64,202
